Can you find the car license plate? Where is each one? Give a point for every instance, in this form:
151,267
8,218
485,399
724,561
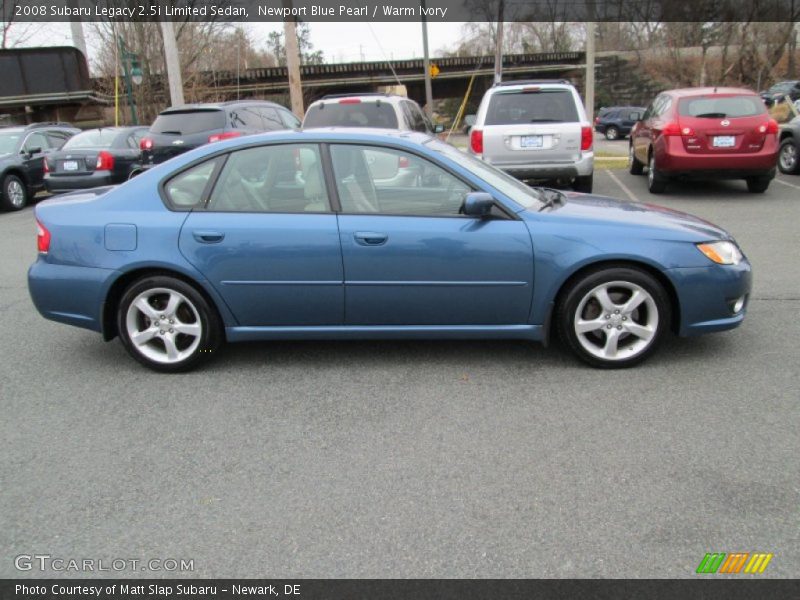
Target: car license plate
531,141
724,141
70,165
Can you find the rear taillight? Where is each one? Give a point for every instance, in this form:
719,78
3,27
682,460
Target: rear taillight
675,129
105,161
218,137
476,141
586,138
597,120
770,126
46,166
42,238
146,144
402,162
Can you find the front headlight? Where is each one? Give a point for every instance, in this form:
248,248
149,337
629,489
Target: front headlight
722,253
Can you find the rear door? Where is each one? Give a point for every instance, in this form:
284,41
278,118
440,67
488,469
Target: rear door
723,123
532,125
266,239
34,150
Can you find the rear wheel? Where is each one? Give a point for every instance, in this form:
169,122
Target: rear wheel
167,325
583,184
787,157
15,194
757,185
635,166
614,317
655,181
612,133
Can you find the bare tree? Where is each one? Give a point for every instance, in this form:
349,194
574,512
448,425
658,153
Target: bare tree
22,31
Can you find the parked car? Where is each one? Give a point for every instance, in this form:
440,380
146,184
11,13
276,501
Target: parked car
780,90
22,152
179,129
96,157
379,111
790,147
705,133
467,124
288,236
616,122
536,131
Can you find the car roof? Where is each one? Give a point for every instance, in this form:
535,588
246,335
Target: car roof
219,105
707,91
378,97
355,133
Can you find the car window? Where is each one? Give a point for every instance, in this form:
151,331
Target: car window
289,119
8,142
543,106
371,179
283,178
721,107
611,115
247,117
350,112
96,138
187,189
36,140
56,139
417,118
133,139
272,120
188,122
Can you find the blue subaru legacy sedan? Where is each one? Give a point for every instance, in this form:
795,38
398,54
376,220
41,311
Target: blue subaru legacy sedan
333,234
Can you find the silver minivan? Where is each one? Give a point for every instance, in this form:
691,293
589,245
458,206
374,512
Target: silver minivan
535,131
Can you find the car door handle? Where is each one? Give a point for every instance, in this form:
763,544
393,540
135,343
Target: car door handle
208,237
370,238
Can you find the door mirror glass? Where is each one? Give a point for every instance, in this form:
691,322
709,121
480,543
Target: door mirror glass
478,204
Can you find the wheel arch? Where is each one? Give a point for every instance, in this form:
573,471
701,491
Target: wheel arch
118,287
785,135
17,172
584,270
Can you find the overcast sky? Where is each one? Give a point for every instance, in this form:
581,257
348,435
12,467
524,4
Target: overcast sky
340,42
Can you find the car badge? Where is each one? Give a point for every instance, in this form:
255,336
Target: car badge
177,142
725,123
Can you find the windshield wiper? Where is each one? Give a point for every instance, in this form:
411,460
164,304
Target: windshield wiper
552,197
716,115
546,121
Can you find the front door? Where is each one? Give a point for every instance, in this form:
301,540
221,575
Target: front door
410,258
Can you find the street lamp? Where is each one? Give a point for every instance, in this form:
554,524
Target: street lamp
132,72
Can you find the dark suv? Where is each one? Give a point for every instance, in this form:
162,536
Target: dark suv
779,91
22,164
617,121
183,128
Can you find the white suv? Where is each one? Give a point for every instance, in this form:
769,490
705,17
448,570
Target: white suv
535,130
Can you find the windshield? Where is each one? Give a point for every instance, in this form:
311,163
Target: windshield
187,122
541,106
504,183
97,138
379,115
717,107
8,142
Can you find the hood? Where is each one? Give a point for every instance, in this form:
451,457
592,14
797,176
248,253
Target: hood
612,211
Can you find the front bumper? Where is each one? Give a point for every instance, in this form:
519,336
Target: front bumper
706,296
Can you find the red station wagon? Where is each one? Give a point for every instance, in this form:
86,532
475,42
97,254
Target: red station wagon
705,133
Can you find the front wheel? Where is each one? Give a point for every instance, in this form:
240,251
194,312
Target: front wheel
15,194
614,317
612,133
787,157
167,325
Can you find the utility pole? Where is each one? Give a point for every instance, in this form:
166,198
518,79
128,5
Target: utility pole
426,64
173,64
293,64
589,95
498,46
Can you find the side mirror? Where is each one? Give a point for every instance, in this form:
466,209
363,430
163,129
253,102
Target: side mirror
32,151
438,128
478,204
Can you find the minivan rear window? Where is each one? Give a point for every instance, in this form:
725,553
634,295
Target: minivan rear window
361,114
719,107
543,106
187,122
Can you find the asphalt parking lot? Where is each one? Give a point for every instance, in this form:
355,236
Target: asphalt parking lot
414,459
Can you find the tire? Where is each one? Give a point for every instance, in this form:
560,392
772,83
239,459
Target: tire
788,157
583,184
656,184
159,346
635,166
15,193
589,326
612,133
758,185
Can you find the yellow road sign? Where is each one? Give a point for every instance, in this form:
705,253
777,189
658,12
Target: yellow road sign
434,69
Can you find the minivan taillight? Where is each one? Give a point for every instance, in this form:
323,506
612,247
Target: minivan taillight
218,137
42,238
145,144
476,141
105,161
587,138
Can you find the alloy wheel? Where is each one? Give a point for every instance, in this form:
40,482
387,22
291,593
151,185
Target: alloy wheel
16,193
788,158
